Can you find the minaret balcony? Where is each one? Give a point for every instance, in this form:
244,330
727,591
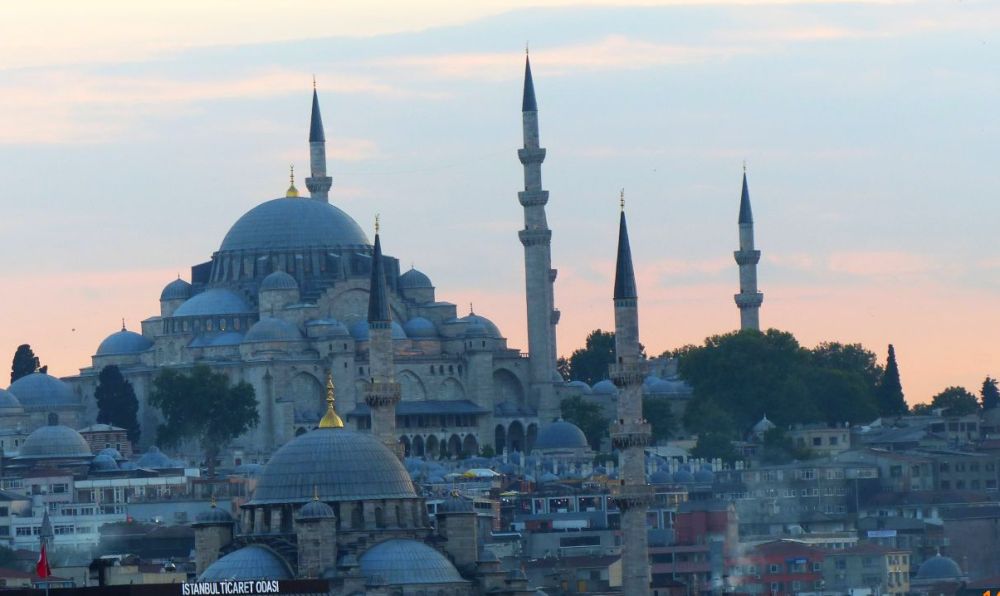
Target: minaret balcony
533,198
379,394
629,435
749,299
535,237
627,374
632,496
747,257
529,155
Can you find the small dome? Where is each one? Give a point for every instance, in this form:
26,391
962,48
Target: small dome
561,435
549,477
939,567
605,387
215,515
419,327
316,510
103,462
8,401
112,453
665,387
176,290
582,386
359,331
455,504
704,476
683,476
154,459
123,342
54,442
660,477
40,390
271,329
405,562
763,425
328,327
414,279
650,380
490,330
216,301
250,562
279,280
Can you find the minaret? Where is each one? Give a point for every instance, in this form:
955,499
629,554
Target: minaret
747,257
538,272
630,434
383,392
318,182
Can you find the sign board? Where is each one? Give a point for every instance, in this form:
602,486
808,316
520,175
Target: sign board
226,588
881,533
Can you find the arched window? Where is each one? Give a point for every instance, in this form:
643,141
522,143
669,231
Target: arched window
379,518
357,522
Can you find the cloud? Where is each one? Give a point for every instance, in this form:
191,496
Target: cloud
880,264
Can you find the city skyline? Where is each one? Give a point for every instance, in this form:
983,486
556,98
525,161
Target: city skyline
127,163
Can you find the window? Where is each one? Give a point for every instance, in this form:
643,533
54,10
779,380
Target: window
834,440
840,564
817,567
774,568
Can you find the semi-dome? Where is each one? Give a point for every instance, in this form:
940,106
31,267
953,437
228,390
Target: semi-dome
561,435
54,442
404,562
939,567
605,387
490,328
414,279
419,327
176,290
122,343
272,329
41,390
328,327
250,562
335,464
279,280
293,223
359,331
9,401
216,301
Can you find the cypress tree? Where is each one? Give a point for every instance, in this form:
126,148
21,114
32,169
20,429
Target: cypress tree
990,394
890,391
116,402
25,362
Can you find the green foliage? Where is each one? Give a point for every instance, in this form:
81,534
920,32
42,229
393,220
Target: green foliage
657,412
8,559
956,401
487,451
714,445
590,363
990,394
890,391
25,362
587,415
562,367
777,448
203,406
116,402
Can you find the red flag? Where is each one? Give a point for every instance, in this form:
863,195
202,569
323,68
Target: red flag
42,567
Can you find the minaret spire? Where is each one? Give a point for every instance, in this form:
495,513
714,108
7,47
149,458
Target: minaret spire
747,257
383,392
318,182
536,237
630,434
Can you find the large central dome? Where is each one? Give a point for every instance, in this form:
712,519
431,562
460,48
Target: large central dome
293,223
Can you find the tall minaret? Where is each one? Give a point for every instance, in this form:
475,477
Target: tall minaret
539,276
630,434
747,257
318,182
383,392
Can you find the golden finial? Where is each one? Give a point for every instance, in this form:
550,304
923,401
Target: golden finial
315,493
621,199
376,223
330,419
292,191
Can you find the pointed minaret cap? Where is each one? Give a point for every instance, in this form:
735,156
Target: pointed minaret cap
624,273
528,103
746,215
316,134
378,299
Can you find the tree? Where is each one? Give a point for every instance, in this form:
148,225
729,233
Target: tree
714,445
777,448
562,367
25,362
990,394
590,363
849,358
890,391
116,402
203,406
587,415
956,401
659,415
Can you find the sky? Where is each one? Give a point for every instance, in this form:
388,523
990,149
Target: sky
133,134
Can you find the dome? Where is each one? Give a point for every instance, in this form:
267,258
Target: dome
683,476
154,459
939,567
328,327
475,329
763,425
250,562
316,510
176,290
215,515
8,401
704,476
455,504
271,329
359,331
338,464
112,453
665,387
123,342
40,390
605,387
55,441
293,223
279,280
414,279
490,329
103,462
561,435
419,327
216,301
403,562
660,477
549,477
581,385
